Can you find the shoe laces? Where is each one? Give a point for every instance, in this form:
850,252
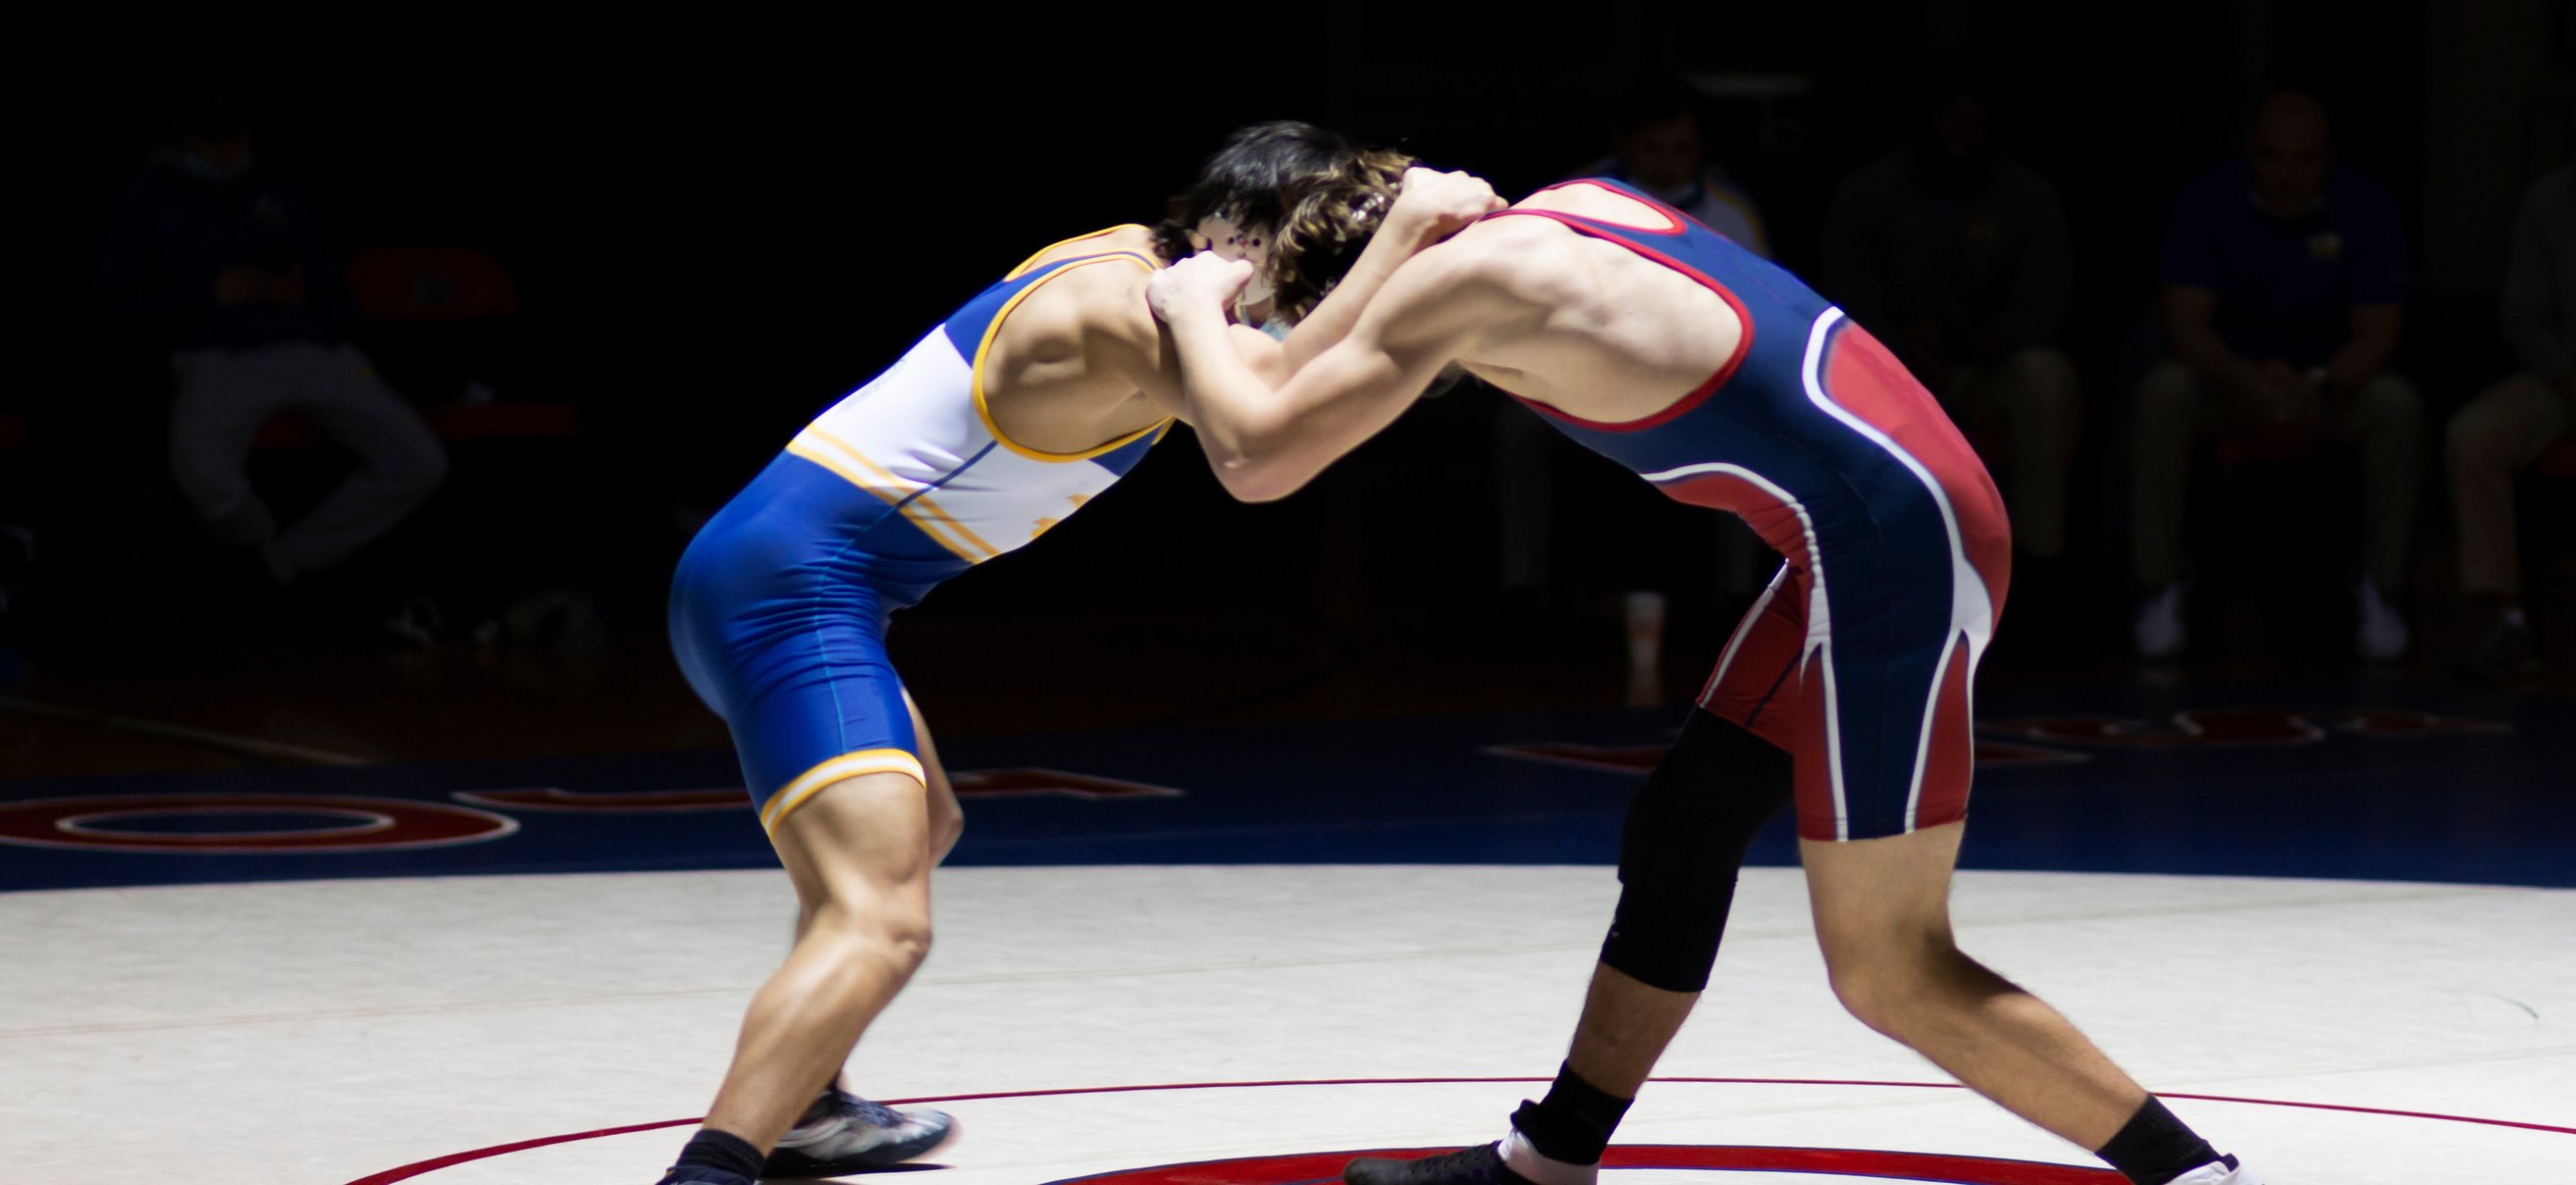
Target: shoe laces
845,1105
1481,1157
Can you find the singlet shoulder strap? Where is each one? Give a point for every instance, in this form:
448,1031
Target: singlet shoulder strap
1031,263
992,329
1673,219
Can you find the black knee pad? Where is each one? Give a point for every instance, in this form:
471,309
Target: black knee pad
1684,840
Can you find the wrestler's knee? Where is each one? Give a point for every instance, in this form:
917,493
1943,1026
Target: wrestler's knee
1684,841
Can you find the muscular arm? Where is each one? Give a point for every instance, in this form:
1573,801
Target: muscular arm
2191,333
1266,439
2373,344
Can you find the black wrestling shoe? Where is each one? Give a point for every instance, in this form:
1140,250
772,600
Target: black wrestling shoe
843,1133
1480,1165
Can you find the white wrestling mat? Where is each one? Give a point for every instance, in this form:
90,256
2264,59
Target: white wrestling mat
408,1030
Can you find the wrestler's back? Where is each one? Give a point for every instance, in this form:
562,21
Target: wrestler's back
1618,337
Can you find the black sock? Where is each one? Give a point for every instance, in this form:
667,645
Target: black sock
1573,1123
712,1149
2155,1147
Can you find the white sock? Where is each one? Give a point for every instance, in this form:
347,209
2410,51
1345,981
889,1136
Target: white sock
1523,1158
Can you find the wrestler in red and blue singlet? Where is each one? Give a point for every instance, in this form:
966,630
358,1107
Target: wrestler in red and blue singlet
1859,657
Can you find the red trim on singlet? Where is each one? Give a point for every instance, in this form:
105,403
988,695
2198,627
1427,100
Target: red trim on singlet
1676,221
1682,406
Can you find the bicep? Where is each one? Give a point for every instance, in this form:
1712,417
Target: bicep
1425,316
1395,351
1156,371
1355,371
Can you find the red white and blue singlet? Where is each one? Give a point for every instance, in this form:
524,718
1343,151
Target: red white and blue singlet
1859,657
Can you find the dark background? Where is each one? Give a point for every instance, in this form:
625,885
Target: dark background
718,226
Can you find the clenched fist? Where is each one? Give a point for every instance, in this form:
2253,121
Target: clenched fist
1199,285
1435,205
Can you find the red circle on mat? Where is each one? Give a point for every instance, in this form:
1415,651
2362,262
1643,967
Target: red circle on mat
424,1167
1321,1168
370,824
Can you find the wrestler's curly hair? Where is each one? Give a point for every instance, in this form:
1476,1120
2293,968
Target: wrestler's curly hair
1320,195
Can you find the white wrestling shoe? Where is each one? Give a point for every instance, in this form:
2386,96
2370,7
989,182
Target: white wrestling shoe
1524,1158
2159,631
2379,631
843,1133
2225,1171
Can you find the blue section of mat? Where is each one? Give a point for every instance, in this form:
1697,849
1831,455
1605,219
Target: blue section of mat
2495,807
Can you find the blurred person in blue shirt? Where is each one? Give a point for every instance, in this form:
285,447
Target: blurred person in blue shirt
2284,290
1958,257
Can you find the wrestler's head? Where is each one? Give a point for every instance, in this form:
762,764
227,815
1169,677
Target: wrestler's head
1297,201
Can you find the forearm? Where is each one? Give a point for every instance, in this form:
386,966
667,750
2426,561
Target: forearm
2361,360
2373,344
2207,354
1222,396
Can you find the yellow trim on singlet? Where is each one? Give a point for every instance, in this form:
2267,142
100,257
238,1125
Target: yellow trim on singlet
847,765
922,502
924,512
832,461
1032,261
975,377
920,511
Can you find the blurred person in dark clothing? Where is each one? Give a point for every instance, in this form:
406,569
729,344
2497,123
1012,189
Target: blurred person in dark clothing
226,267
1657,147
2284,293
2506,427
1958,256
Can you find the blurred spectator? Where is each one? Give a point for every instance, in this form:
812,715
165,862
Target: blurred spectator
2509,425
1657,146
226,268
1957,256
2284,289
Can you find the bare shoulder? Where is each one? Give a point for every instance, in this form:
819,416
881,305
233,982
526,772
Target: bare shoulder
1130,239
1094,299
1490,251
1103,288
1504,261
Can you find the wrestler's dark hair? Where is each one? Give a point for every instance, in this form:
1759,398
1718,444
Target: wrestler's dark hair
1320,195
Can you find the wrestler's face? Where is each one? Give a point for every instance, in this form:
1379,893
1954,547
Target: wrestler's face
1221,236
